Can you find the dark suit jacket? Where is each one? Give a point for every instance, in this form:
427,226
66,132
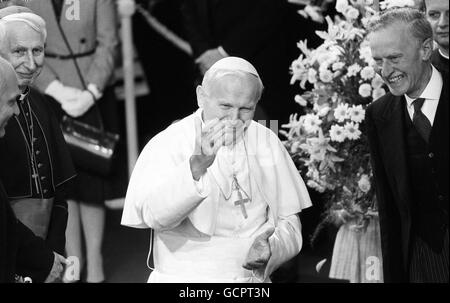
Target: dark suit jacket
21,252
385,129
439,62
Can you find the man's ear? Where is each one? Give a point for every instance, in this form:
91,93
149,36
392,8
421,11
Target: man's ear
427,49
200,96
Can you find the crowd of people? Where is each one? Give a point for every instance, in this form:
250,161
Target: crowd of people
218,190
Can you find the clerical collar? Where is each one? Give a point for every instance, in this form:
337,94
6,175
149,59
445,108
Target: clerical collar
442,54
23,95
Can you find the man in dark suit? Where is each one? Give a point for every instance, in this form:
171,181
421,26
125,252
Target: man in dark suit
408,136
437,15
21,252
255,30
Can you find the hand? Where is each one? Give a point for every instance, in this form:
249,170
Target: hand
207,59
208,141
79,106
57,270
259,253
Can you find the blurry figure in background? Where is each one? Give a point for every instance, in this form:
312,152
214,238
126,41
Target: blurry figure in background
169,70
255,30
87,37
36,164
22,254
437,15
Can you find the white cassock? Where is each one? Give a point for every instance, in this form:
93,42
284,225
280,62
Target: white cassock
201,235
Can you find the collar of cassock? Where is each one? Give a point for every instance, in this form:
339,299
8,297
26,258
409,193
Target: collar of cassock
21,98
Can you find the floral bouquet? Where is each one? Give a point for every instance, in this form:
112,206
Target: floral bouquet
328,143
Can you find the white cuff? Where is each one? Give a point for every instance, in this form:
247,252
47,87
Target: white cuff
94,90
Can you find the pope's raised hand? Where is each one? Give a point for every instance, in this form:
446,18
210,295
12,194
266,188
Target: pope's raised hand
208,141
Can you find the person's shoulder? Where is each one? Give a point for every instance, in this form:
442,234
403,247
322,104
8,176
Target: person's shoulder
379,105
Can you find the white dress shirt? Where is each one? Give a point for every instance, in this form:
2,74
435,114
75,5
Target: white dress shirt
431,94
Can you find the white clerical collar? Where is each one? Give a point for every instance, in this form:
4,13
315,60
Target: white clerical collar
433,89
442,54
23,95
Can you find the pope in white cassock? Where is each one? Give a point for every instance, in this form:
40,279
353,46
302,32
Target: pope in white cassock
219,190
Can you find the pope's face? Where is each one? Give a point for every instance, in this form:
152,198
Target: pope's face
229,98
24,49
401,60
8,103
437,15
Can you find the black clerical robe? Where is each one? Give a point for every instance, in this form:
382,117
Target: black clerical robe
36,163
21,252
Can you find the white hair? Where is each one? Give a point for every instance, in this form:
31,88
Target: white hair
32,20
213,75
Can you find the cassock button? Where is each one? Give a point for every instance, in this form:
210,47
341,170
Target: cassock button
43,178
34,139
45,191
40,165
38,152
441,198
431,155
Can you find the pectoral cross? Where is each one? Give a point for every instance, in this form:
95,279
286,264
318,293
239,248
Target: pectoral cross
240,202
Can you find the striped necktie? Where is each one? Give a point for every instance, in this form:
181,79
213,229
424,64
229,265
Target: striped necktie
420,121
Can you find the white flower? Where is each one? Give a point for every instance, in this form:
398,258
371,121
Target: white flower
341,112
312,76
353,70
357,113
337,133
326,76
311,123
321,110
300,100
378,93
377,81
365,52
341,6
369,2
352,131
367,73
295,147
337,65
365,90
351,13
364,183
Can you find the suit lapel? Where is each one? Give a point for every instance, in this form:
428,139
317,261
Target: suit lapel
392,136
440,125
